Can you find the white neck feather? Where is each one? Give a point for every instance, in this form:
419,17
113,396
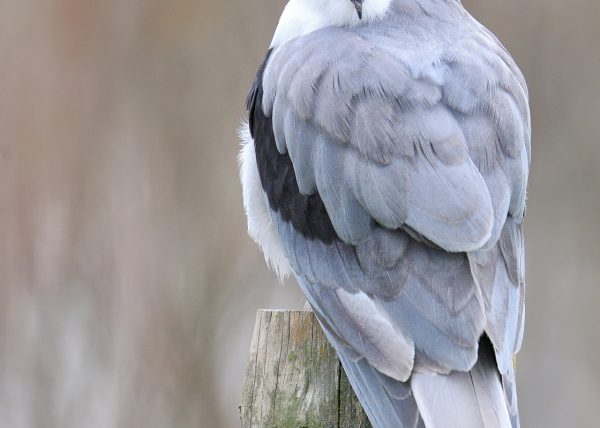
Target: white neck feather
301,17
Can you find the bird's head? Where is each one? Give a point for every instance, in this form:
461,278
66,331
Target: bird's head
304,16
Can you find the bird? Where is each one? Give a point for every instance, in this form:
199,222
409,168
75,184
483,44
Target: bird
384,165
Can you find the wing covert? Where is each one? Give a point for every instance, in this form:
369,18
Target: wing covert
382,143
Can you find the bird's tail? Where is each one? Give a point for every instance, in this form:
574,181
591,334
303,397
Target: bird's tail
472,399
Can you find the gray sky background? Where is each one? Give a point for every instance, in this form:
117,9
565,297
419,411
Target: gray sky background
128,285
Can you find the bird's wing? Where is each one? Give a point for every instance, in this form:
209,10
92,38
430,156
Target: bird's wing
388,184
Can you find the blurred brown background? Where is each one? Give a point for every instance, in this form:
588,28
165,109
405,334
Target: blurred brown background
128,286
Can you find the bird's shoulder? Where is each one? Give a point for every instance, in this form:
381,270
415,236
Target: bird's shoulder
450,51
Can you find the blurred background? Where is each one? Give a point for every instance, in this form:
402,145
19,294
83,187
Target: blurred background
128,285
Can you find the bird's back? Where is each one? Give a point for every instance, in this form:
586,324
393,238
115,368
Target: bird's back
392,161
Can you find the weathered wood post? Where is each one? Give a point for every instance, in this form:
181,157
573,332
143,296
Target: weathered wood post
294,378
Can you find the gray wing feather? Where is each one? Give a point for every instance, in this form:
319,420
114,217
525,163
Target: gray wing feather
431,301
500,271
350,220
389,403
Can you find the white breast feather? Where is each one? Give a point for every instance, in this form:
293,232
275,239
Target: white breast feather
260,225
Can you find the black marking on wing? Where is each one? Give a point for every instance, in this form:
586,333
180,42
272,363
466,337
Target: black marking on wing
307,214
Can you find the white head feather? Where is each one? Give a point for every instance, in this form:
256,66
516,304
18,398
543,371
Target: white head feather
301,17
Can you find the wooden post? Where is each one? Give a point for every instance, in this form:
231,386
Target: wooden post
294,378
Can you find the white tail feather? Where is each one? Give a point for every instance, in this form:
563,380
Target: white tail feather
463,400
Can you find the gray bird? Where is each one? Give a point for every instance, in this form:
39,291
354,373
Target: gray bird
385,166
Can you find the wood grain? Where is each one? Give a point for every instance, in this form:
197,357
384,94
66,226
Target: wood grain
294,378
